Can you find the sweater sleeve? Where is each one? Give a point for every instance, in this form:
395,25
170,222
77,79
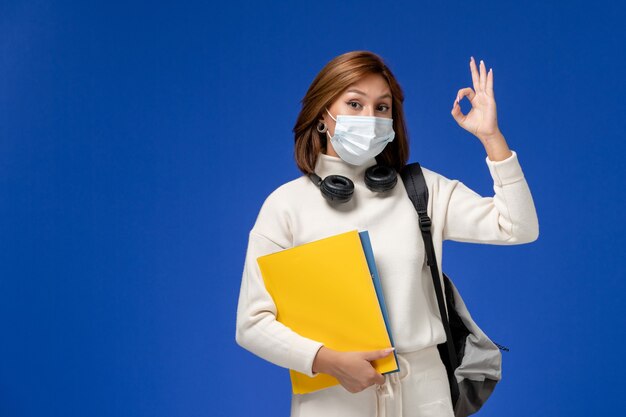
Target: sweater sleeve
507,218
257,329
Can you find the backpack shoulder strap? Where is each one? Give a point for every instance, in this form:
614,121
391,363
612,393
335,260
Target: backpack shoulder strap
415,184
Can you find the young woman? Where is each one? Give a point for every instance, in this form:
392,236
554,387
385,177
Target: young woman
352,119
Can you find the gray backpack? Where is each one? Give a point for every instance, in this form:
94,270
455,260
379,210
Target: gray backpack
472,360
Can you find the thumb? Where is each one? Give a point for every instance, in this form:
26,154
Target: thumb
457,114
377,354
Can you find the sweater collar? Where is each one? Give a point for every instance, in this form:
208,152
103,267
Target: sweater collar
333,165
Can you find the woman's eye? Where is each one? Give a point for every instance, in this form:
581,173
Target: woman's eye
355,105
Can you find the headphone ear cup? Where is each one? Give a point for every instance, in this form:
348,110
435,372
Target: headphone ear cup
337,188
381,178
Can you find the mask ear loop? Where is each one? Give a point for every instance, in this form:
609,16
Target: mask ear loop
331,116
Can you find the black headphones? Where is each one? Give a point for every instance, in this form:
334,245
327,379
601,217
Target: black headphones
337,188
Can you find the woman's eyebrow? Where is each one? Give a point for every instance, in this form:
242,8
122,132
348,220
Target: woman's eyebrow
354,90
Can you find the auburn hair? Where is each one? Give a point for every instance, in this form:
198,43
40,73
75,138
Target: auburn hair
336,76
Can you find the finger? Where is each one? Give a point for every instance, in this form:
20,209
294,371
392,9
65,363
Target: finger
483,76
474,71
465,92
456,113
377,354
490,82
380,379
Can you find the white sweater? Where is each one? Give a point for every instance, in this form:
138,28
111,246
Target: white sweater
296,213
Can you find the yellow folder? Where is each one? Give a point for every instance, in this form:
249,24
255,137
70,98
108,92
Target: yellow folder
327,291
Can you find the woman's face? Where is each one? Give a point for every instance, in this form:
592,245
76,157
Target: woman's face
370,96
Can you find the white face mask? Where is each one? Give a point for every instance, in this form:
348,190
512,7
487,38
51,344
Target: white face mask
360,138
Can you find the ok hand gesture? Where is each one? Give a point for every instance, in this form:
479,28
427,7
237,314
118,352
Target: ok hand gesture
481,121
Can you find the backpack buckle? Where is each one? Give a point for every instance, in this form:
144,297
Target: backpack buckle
425,223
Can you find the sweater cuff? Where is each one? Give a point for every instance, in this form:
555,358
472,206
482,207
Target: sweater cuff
303,351
506,171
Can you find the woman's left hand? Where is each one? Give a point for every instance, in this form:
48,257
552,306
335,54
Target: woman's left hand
481,120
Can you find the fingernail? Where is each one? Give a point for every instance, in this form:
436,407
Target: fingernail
481,62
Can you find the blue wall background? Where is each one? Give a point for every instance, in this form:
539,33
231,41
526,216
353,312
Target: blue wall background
139,140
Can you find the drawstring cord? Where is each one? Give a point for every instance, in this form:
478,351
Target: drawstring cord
392,389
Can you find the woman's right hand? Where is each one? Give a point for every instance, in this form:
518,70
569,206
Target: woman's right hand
353,369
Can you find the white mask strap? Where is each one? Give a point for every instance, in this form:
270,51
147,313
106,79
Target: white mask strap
331,116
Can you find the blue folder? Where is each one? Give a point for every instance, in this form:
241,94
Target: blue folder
371,263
